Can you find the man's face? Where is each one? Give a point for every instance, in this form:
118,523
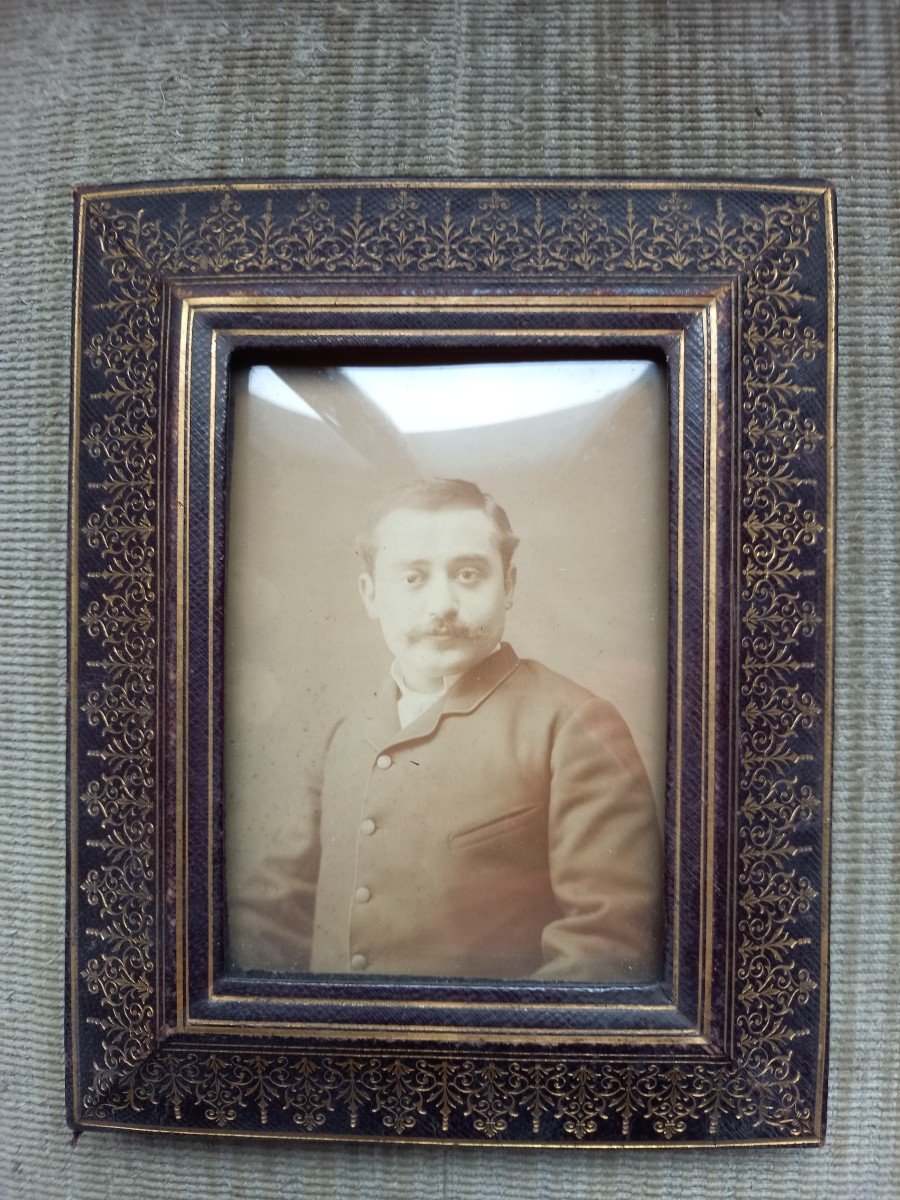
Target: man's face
439,590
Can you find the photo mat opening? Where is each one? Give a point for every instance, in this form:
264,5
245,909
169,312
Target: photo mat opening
575,453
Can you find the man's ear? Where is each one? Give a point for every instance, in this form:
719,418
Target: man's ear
510,584
367,591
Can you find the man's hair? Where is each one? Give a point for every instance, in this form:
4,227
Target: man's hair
433,495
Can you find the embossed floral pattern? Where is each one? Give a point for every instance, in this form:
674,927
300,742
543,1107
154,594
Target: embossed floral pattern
413,232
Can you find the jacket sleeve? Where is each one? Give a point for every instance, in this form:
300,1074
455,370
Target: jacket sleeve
605,854
270,917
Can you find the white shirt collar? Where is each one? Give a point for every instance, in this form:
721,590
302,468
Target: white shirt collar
410,704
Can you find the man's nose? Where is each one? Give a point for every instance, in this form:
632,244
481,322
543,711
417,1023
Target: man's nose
442,601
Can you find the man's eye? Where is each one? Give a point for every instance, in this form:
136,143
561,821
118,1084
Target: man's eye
412,578
469,575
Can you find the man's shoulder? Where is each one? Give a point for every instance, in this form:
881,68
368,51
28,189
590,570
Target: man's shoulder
553,690
576,715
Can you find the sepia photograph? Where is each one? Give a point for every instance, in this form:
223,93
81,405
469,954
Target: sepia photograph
445,669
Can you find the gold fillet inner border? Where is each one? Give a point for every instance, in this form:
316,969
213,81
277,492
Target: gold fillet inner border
296,306
298,302
709,335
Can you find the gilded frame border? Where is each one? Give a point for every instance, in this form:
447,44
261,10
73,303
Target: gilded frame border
139,252
702,316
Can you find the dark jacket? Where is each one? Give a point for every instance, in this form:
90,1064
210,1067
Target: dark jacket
509,832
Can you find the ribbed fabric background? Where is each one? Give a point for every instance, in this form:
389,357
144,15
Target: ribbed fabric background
98,91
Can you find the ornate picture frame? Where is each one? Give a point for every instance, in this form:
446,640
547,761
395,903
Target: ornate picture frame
732,286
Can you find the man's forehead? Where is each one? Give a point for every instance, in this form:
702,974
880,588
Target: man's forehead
436,533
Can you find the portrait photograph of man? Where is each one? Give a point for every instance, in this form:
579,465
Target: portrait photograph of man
419,782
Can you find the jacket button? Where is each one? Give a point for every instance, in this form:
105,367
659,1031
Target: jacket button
362,895
358,962
383,761
367,826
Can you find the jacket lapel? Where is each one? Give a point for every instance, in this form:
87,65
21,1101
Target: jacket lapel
382,724
380,720
476,685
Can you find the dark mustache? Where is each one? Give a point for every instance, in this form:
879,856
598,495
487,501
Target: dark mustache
441,629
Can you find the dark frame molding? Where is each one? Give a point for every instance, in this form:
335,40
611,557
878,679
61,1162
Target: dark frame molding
735,286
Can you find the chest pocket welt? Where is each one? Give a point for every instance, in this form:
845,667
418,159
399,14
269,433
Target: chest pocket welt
508,824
